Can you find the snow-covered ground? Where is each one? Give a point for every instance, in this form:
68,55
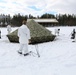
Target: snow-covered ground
56,58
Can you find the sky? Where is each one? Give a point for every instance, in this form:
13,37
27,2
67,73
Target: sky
37,7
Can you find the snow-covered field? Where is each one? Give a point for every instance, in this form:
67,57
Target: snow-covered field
56,58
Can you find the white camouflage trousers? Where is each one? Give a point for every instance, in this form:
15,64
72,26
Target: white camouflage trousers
23,48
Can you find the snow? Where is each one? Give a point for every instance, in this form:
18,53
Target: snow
56,58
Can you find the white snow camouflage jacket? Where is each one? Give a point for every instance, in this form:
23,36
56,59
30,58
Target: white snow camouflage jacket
23,34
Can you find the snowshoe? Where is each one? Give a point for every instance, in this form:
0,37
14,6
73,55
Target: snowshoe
19,52
26,54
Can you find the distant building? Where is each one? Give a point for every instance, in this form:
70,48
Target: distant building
46,22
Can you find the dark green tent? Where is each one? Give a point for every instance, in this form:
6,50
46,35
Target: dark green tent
38,33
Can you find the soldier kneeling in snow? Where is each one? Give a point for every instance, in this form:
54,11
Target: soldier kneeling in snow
73,35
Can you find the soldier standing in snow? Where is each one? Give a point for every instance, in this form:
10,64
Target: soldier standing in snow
0,34
73,35
9,28
24,37
57,31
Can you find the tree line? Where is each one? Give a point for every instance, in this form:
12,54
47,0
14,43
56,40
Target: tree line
64,20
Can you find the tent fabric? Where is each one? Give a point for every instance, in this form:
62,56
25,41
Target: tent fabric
38,33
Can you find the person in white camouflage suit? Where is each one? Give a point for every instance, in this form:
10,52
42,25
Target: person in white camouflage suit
24,38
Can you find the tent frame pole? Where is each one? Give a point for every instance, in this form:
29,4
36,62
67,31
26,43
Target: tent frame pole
36,47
